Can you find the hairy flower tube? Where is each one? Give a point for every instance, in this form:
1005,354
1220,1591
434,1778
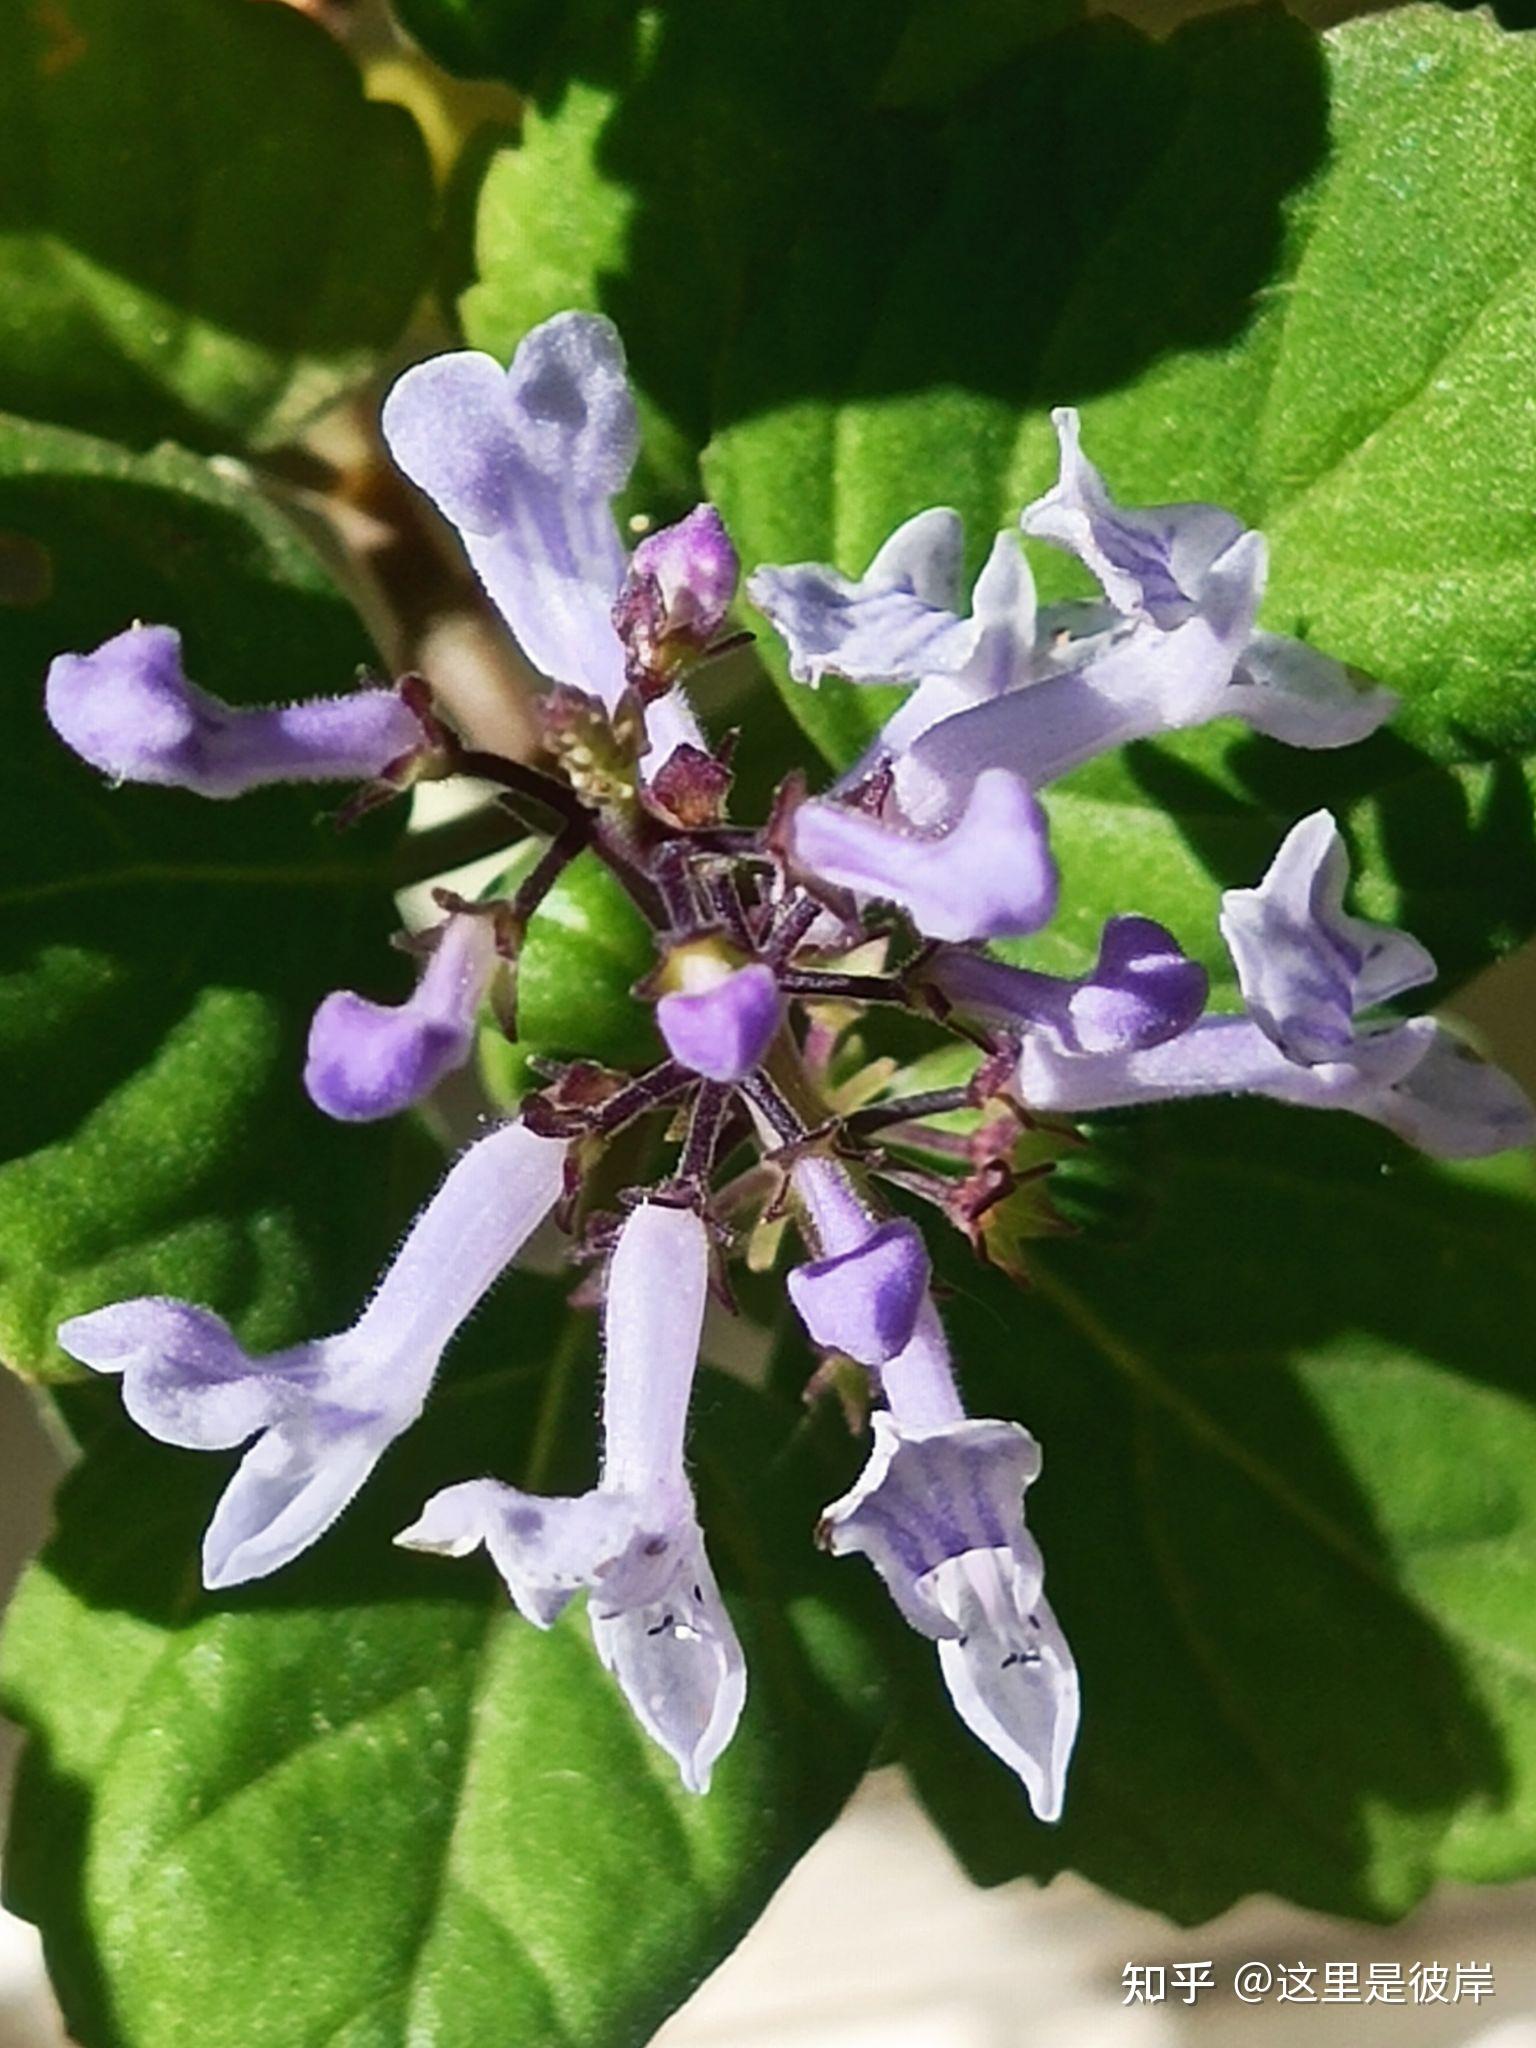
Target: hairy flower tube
633,1543
322,1414
130,711
775,945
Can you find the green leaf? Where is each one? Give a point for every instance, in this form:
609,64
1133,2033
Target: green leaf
663,187
587,946
1289,1518
367,1804
206,233
949,44
163,954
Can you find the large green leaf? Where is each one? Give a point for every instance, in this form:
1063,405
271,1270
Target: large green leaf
1350,384
205,231
1289,1517
1291,275
161,955
368,1805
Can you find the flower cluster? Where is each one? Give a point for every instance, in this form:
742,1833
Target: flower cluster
884,889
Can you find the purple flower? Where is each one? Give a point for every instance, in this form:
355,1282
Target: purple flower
722,1029
938,1510
1164,563
369,1060
1131,680
1306,967
322,1413
633,1543
1155,561
1142,990
990,875
1041,691
862,1293
899,621
525,463
130,711
1307,970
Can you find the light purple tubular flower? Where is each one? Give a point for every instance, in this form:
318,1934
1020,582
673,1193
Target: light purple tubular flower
130,711
1153,561
1040,692
369,1060
633,1543
862,1293
938,1510
990,875
900,622
1133,681
323,1413
897,622
722,1031
1160,562
525,463
1143,989
1307,969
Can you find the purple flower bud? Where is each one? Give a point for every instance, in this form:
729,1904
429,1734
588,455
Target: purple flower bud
369,1060
326,1411
1143,989
990,876
723,1032
130,711
862,1295
865,1301
694,568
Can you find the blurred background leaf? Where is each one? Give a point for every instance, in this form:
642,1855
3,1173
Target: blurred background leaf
206,233
532,45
